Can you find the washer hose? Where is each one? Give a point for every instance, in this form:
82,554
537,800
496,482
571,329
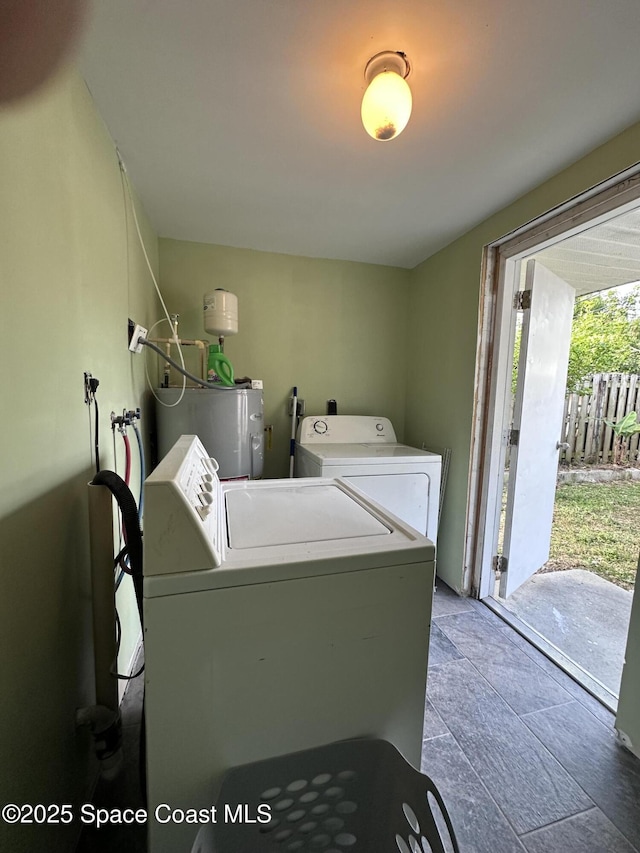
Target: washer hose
127,503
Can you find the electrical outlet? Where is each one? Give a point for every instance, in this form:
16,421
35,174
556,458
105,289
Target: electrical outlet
139,334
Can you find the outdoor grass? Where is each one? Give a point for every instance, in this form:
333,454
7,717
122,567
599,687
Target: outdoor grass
596,526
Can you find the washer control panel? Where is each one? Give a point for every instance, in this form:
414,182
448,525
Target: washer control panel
199,482
182,511
346,429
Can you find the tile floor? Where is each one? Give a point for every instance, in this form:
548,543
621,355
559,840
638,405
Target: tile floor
585,617
525,759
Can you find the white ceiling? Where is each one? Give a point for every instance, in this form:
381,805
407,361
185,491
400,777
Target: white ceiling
606,255
239,121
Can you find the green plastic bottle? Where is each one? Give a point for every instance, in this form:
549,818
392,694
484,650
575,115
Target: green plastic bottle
219,367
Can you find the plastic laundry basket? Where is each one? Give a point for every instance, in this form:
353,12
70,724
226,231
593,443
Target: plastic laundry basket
355,796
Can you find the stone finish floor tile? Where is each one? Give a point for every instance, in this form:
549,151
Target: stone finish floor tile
519,680
589,832
529,785
434,725
608,773
562,678
479,824
441,649
446,601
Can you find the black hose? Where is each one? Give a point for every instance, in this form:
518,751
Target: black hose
125,500
97,440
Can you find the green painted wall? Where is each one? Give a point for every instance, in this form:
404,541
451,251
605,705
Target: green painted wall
335,329
443,327
67,286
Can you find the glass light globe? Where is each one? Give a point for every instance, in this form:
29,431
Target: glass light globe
386,106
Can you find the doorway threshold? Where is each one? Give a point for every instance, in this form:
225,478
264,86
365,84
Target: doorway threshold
591,684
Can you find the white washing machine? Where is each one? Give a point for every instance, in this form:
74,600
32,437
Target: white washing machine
364,451
279,615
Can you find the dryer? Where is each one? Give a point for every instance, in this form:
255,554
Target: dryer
364,451
278,615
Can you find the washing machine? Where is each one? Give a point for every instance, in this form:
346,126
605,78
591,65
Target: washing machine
365,452
278,615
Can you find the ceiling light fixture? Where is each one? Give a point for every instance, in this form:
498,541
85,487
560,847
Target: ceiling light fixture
386,105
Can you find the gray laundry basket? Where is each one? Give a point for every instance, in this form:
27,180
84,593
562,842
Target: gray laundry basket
355,796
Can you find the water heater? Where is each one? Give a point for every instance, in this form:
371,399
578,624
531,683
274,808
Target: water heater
229,423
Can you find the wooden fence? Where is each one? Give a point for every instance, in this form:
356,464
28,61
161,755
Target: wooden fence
589,439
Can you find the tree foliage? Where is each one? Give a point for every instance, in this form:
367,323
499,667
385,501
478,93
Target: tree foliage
605,338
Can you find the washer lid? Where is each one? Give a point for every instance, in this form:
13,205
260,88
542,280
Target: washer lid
369,454
296,514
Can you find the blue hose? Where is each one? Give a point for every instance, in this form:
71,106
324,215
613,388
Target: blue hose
143,473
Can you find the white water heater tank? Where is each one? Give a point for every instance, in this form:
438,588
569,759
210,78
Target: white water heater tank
221,313
229,423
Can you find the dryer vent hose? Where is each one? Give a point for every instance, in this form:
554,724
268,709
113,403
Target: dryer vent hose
125,500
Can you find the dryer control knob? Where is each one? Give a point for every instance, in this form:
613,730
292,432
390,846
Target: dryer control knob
206,498
379,427
320,427
207,485
210,463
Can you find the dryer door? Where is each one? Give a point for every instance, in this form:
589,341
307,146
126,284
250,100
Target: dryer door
405,495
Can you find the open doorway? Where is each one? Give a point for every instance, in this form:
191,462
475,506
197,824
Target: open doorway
572,612
575,563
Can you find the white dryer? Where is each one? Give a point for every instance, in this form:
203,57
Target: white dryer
279,615
364,451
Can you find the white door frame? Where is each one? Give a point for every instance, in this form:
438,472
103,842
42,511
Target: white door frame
494,354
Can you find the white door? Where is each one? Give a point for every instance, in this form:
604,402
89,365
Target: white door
538,408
